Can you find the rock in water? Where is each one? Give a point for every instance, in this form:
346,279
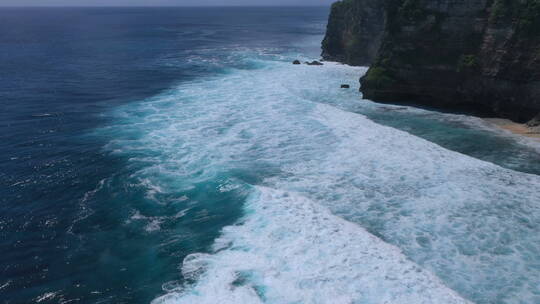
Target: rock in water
296,62
314,62
345,86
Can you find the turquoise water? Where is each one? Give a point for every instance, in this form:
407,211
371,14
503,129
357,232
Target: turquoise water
201,166
467,221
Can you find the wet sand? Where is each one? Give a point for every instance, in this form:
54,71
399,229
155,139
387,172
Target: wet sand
514,127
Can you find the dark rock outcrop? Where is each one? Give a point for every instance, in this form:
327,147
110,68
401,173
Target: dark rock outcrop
345,86
315,62
475,55
296,62
480,56
354,31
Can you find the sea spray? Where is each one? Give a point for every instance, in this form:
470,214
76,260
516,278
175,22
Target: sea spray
443,209
289,249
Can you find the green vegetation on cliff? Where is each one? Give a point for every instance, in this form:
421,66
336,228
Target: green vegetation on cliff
467,63
412,11
481,55
354,31
379,77
525,15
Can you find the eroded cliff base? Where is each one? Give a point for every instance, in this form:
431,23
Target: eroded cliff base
477,56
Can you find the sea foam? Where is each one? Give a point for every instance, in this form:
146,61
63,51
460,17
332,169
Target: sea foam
292,250
319,174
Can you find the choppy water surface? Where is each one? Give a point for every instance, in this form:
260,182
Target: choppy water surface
176,156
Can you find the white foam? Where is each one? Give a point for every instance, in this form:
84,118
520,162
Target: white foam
5,285
46,296
292,250
473,224
153,223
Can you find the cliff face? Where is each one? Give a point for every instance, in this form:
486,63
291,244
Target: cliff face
476,55
354,32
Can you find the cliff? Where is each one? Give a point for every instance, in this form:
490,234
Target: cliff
482,56
354,32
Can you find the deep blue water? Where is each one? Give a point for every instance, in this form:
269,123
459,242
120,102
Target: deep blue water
64,200
134,137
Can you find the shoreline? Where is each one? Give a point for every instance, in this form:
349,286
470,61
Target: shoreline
499,123
514,127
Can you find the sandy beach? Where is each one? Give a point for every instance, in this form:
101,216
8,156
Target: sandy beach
514,127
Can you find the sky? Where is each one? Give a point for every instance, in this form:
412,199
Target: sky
163,2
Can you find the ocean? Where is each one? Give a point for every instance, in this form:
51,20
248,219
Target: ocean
175,155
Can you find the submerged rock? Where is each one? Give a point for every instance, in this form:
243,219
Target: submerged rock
314,62
345,86
296,62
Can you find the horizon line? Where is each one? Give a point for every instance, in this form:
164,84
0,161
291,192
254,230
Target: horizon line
156,6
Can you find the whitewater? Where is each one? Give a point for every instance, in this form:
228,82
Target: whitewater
176,155
336,208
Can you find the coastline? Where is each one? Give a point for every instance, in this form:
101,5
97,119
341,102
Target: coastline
500,123
514,127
